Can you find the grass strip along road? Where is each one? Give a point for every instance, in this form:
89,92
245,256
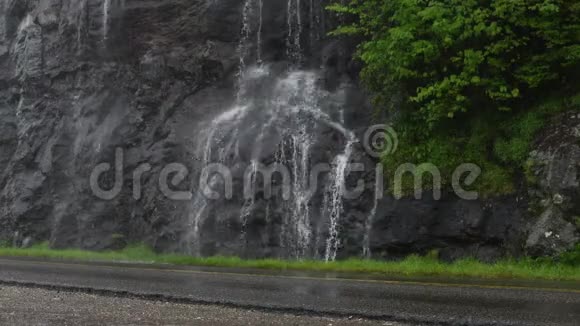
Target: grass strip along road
412,266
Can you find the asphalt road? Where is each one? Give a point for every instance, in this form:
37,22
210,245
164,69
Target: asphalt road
400,301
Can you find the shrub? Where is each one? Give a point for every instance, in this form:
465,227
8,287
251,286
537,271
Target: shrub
571,257
476,74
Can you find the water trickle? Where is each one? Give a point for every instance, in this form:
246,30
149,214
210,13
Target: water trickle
81,24
301,213
316,25
333,201
27,22
312,26
368,228
106,15
200,202
243,44
298,33
250,8
248,206
259,33
295,28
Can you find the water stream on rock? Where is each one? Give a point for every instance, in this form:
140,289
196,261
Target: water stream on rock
293,41
106,15
334,197
278,117
259,32
366,253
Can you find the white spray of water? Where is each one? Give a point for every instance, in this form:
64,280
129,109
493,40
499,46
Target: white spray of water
243,45
246,74
294,111
300,94
248,206
289,21
27,22
334,199
200,202
299,27
301,211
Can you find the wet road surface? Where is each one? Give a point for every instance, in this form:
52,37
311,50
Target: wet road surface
396,301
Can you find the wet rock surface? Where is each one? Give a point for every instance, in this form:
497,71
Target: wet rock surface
483,229
84,81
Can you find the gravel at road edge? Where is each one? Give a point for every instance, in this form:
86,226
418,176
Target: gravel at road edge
30,306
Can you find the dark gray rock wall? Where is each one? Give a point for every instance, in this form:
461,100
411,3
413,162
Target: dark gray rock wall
71,94
554,187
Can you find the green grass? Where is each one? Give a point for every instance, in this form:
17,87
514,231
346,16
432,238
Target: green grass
413,266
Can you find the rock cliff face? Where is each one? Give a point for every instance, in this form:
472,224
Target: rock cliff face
84,81
81,78
240,83
554,187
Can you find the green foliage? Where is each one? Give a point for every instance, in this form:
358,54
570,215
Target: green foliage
531,179
432,255
571,257
447,153
117,236
477,75
4,243
452,56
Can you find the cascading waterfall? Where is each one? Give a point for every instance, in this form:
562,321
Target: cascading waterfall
230,117
250,7
288,107
299,88
111,11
